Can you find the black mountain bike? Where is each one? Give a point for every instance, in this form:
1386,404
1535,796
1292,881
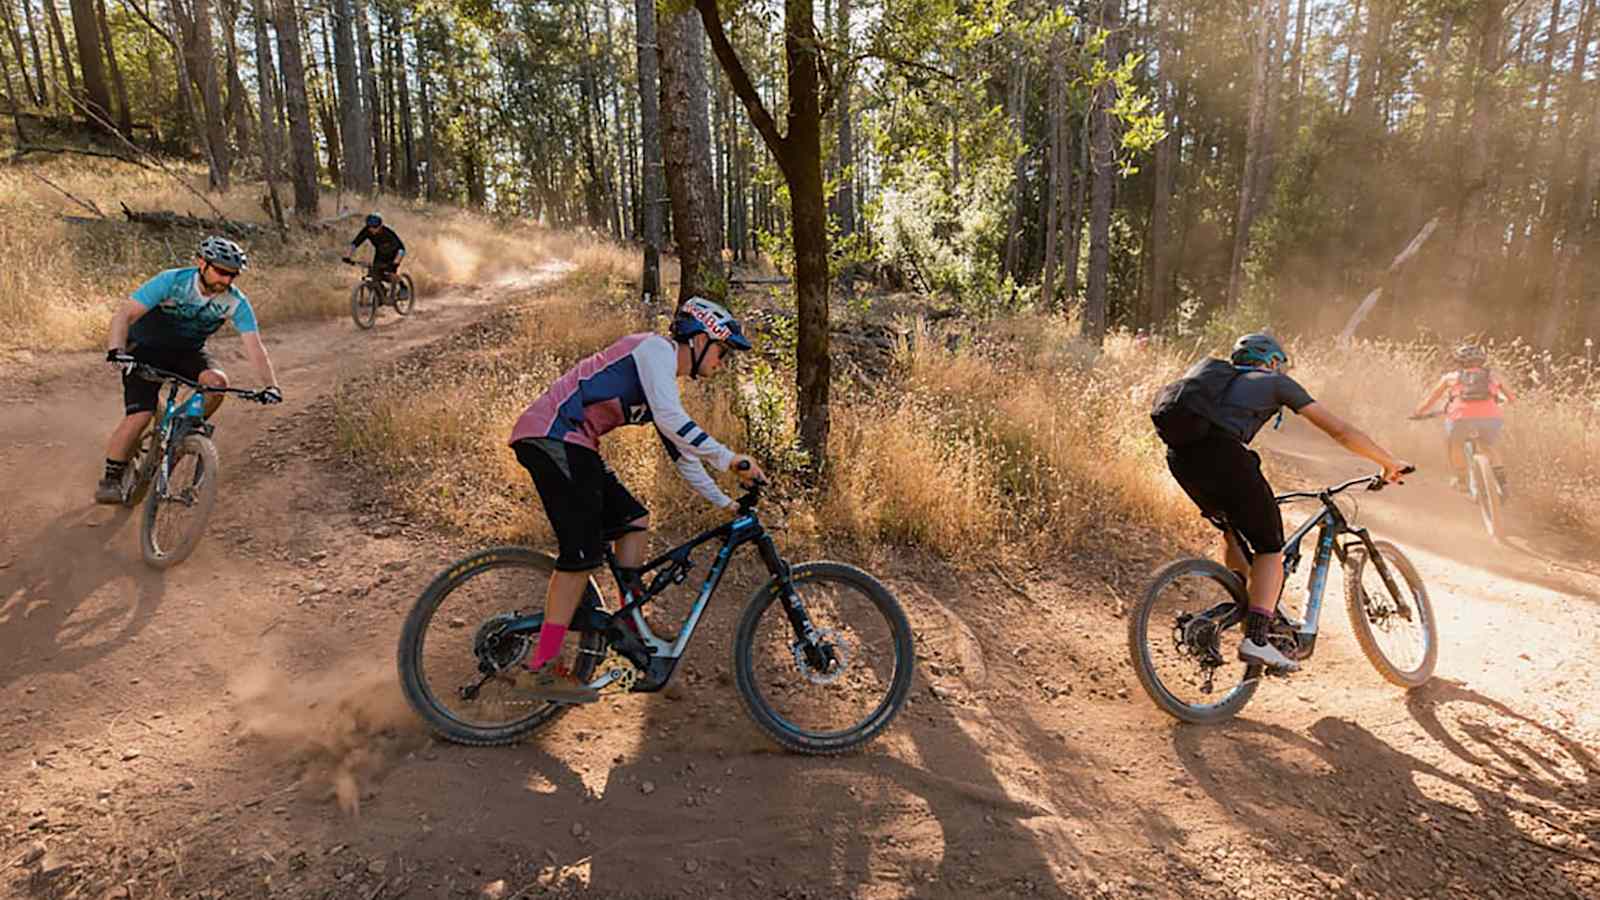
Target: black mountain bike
822,655
1176,636
175,470
373,291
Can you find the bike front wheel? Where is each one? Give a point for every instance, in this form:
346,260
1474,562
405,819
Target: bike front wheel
364,305
141,466
1183,642
1489,499
1391,614
405,295
460,636
175,518
838,691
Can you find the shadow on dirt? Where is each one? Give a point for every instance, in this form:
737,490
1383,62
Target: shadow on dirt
77,592
1359,810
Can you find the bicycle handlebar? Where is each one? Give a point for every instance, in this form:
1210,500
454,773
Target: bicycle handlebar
752,494
151,373
1373,482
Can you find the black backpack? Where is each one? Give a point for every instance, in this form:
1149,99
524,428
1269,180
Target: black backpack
1188,409
1473,383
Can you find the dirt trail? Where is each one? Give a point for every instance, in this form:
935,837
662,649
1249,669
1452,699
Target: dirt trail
231,728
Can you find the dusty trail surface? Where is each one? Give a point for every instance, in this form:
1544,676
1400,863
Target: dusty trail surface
232,728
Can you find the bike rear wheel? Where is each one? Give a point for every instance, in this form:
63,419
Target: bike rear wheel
364,305
832,710
175,519
1489,499
451,636
1396,631
405,295
1184,634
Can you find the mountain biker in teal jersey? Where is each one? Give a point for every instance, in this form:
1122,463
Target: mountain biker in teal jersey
1472,398
165,324
631,382
1223,477
387,248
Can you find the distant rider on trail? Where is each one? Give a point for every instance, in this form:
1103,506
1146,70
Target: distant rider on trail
1213,465
1472,403
387,248
557,439
165,324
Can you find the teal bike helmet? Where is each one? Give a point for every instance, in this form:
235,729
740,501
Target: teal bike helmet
1258,349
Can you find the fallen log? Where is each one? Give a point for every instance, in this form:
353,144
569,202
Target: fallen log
166,218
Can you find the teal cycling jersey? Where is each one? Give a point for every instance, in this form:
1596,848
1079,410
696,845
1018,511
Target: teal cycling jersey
180,317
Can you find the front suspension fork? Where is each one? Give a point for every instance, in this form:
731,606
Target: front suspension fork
819,654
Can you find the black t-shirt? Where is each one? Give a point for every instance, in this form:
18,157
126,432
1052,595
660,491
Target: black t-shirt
1256,396
386,245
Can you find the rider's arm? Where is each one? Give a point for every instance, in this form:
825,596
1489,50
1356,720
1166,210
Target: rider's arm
256,352
244,319
1351,438
1433,396
1505,391
657,361
400,253
126,314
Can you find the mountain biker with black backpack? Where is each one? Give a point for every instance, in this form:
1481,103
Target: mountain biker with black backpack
1473,397
1206,420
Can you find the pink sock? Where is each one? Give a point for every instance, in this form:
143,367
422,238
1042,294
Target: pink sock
550,638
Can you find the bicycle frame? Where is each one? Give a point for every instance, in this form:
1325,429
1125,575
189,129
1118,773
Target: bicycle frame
1331,524
660,658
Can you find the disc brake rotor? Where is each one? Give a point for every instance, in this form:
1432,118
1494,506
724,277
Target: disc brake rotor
497,651
842,653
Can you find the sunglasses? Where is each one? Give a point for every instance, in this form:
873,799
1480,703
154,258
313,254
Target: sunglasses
224,273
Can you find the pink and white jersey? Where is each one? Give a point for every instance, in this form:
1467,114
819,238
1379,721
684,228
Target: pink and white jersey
631,382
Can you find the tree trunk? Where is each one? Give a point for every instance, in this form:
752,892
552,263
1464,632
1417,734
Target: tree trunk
1474,235
1161,202
1365,107
124,113
353,124
302,146
1438,81
39,91
686,152
271,139
61,47
1055,99
799,156
185,111
237,107
14,36
845,73
1079,198
651,191
1266,167
194,23
1350,46
619,160
372,102
425,95
1104,154
1017,112
1258,112
1297,75
408,138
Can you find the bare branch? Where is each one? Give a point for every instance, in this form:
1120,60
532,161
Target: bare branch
740,79
144,14
86,204
27,149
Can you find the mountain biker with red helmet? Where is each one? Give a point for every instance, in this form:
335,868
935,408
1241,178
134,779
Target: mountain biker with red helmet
1222,475
1473,398
387,248
165,324
557,439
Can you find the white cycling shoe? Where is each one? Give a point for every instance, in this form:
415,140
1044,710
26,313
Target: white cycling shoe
1266,655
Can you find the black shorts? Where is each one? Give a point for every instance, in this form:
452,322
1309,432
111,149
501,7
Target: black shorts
140,395
587,506
1223,477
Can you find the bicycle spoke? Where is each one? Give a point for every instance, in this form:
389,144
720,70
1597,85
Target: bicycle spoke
853,679
1190,656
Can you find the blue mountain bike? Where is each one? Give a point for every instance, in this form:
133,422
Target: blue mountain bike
1194,607
175,470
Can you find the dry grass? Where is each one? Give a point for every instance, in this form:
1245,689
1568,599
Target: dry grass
60,280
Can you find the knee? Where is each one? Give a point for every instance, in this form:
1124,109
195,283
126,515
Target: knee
214,378
640,524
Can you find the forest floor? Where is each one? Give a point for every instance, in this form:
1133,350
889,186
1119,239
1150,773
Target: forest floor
233,728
